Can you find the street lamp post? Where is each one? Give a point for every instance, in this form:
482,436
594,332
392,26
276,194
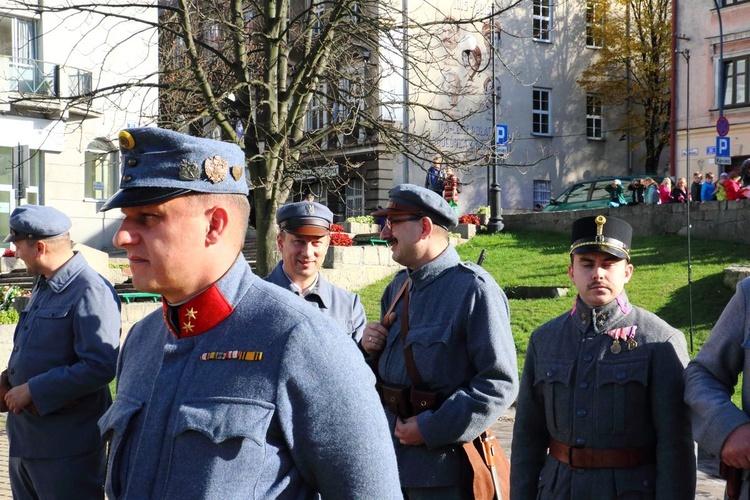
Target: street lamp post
495,224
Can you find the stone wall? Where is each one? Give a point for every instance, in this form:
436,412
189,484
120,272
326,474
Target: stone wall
355,267
720,220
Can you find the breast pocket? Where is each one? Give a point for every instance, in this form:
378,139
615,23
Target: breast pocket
51,328
213,439
622,389
553,378
115,427
430,346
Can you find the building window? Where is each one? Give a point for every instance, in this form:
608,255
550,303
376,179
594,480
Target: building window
736,81
541,112
542,193
101,169
593,117
355,197
594,20
542,20
316,111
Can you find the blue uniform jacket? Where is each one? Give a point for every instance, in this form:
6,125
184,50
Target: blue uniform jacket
303,417
575,389
65,346
711,377
463,349
339,304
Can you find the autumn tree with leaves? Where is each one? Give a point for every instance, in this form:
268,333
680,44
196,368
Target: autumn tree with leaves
633,68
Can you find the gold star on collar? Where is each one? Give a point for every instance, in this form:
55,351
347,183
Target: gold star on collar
601,319
191,313
188,327
584,317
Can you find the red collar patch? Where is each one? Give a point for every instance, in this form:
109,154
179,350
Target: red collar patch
199,314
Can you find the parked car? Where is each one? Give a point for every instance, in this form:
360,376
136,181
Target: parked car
590,194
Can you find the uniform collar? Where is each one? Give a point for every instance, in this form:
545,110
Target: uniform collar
430,271
204,311
64,275
600,319
320,290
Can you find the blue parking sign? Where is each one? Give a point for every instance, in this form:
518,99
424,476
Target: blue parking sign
501,134
722,146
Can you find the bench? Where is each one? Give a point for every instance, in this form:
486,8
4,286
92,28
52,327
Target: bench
132,296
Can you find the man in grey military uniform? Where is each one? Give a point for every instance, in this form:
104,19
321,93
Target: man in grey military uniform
719,426
451,329
303,239
64,356
600,413
237,389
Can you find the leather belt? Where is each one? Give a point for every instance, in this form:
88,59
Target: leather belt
601,458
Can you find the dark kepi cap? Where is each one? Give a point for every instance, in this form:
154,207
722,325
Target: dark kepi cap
36,222
159,164
602,234
306,218
410,199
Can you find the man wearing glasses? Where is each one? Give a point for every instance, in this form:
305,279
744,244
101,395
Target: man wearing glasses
444,345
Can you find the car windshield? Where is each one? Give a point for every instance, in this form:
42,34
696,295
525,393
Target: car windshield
578,194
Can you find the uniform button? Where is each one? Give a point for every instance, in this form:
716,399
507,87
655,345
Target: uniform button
12,371
132,162
127,178
581,412
15,349
550,373
588,358
580,441
620,375
584,385
646,482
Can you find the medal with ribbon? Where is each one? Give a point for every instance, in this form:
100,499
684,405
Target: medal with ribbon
626,334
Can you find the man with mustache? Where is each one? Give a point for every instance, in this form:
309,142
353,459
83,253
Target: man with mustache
446,348
236,388
303,240
600,412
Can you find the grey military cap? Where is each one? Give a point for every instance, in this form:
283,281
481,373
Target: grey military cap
305,217
410,199
159,164
36,222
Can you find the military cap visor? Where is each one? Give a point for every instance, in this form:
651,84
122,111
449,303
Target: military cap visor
36,222
141,196
394,209
14,235
305,226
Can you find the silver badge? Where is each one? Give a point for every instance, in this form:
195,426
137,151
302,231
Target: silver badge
616,347
216,168
309,209
189,170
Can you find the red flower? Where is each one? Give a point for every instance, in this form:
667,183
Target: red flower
469,219
9,253
341,240
337,228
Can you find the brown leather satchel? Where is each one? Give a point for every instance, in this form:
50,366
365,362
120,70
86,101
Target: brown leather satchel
487,459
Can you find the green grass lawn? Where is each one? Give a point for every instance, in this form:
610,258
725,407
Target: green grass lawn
659,283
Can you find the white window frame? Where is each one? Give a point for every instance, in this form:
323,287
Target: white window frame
542,192
541,19
355,197
594,120
316,117
541,120
101,166
594,19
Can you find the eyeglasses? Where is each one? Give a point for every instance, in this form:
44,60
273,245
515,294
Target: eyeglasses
390,222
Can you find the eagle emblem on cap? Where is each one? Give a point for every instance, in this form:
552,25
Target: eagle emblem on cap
216,168
309,209
189,170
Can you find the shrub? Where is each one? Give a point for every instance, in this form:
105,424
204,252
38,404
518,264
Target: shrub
8,317
362,219
341,240
336,228
484,209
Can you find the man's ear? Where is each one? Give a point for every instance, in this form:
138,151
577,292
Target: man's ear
218,221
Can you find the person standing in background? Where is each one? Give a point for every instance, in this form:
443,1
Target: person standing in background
696,193
450,189
707,188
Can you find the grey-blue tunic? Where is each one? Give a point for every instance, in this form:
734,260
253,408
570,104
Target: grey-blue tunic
463,348
710,378
65,346
335,302
303,419
576,390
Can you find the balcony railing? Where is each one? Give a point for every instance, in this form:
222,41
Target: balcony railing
40,78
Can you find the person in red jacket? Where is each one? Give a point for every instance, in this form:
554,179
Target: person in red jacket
732,186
